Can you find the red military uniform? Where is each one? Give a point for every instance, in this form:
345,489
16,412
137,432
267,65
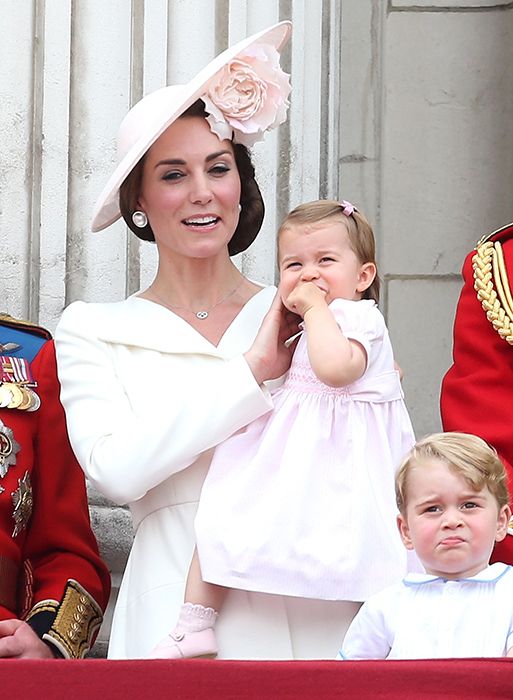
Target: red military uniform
51,574
477,390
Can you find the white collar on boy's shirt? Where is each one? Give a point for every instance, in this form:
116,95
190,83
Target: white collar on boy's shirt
492,573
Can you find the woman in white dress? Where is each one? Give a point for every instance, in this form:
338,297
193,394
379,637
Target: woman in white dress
151,384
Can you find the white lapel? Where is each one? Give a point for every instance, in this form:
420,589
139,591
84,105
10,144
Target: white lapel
142,323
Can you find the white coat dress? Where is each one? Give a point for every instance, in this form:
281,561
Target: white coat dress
146,399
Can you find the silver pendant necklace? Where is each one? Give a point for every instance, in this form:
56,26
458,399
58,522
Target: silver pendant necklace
203,313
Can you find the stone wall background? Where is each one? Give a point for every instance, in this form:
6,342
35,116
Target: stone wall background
404,107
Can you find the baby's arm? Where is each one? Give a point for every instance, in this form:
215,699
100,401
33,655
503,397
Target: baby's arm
336,360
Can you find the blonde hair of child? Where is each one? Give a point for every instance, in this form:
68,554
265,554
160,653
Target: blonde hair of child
360,232
466,455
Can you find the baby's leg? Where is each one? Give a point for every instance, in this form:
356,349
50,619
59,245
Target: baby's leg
193,635
200,592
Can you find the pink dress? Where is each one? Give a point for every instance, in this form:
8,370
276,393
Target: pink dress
301,502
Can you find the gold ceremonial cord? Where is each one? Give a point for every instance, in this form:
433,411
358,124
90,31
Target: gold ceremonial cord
497,302
501,279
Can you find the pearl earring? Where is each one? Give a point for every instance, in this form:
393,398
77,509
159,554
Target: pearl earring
140,219
240,208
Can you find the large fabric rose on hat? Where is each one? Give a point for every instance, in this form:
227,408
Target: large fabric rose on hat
248,96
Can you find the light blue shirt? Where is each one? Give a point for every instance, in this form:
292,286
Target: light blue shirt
426,616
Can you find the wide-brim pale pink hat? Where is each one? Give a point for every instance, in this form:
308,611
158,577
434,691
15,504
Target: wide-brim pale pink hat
152,115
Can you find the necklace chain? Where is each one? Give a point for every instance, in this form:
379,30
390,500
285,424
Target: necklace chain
202,314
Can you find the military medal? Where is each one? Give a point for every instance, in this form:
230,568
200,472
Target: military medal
17,396
22,501
8,449
36,401
5,396
32,400
16,384
26,401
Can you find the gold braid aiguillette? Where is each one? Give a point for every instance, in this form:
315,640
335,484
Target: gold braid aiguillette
492,287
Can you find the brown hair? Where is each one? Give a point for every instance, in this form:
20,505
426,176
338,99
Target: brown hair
466,455
252,204
360,232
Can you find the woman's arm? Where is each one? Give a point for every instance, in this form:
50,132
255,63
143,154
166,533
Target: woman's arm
336,360
127,446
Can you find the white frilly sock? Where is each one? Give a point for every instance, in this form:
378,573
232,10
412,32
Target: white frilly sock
195,618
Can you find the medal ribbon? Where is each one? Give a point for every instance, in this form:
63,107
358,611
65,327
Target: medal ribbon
15,370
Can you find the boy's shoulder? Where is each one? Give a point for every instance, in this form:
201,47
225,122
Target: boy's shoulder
389,597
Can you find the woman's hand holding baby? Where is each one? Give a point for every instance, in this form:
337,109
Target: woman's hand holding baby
269,357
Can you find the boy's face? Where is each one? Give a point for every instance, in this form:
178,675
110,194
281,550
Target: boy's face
451,526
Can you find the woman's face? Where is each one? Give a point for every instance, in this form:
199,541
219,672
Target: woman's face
190,190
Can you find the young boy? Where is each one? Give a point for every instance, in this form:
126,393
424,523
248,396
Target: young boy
452,497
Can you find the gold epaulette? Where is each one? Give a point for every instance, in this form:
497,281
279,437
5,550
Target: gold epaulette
20,324
492,285
77,619
487,236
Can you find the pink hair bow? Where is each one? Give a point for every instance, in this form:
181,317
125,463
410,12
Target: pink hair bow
347,207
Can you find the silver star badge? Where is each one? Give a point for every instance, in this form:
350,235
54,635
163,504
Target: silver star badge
8,449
